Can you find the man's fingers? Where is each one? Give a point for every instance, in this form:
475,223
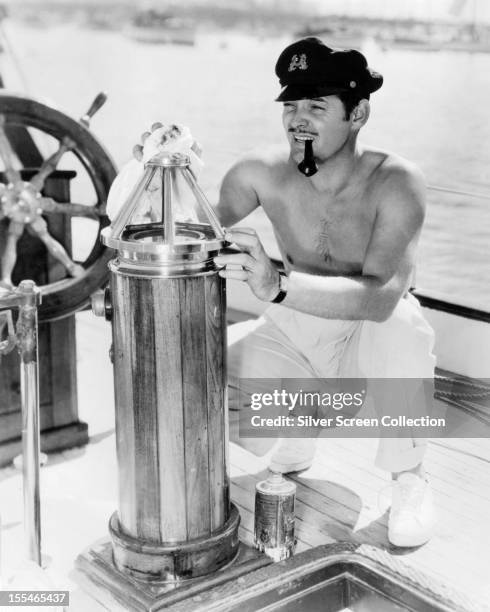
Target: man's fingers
240,275
249,242
144,136
156,126
138,152
243,259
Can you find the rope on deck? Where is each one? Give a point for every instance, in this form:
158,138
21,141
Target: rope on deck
476,390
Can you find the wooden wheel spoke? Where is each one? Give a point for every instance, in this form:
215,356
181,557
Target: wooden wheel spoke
69,208
9,256
2,206
49,165
7,155
23,119
57,250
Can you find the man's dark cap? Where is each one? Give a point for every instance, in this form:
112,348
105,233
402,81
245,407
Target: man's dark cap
310,69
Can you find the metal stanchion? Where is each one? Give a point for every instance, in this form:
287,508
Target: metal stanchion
26,297
29,385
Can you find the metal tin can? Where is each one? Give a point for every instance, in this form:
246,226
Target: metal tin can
274,517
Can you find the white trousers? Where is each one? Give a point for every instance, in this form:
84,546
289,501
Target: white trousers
285,343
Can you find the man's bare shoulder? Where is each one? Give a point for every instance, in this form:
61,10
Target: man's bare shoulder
246,183
259,166
391,171
395,181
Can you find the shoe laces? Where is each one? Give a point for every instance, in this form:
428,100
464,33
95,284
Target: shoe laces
401,496
410,495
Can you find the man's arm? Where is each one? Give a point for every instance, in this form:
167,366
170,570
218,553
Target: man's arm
388,263
238,197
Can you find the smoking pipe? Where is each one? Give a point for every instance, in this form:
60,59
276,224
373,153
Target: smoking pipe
308,166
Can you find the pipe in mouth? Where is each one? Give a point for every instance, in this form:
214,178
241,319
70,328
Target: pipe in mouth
308,166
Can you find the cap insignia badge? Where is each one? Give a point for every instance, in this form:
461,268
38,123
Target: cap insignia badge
298,62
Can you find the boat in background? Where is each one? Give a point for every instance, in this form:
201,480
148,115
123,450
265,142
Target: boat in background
471,39
339,36
158,27
471,36
466,39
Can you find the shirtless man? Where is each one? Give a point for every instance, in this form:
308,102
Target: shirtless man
347,219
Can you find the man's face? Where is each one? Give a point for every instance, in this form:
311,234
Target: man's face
321,120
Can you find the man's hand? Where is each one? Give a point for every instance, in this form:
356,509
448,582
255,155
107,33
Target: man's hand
252,265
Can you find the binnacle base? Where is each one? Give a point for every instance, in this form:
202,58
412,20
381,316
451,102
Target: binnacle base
98,575
177,561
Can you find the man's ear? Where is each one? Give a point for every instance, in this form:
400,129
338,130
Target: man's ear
360,114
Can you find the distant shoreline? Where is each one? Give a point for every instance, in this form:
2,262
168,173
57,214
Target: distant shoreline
247,17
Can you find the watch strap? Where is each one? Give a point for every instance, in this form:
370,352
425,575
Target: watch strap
282,294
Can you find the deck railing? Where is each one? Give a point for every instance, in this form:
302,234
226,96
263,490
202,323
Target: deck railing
438,301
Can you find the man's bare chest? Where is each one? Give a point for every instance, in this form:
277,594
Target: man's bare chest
321,235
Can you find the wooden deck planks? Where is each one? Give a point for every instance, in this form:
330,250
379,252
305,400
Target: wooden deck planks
444,482
337,500
342,484
462,517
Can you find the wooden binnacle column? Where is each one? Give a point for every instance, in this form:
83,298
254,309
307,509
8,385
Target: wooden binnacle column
175,519
167,301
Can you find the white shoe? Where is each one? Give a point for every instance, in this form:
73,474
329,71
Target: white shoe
412,517
293,455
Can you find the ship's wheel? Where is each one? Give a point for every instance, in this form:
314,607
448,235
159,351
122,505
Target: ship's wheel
33,134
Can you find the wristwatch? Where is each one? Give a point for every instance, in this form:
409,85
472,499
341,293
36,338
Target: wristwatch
283,288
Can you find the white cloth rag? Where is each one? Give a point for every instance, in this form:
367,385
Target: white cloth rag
170,139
